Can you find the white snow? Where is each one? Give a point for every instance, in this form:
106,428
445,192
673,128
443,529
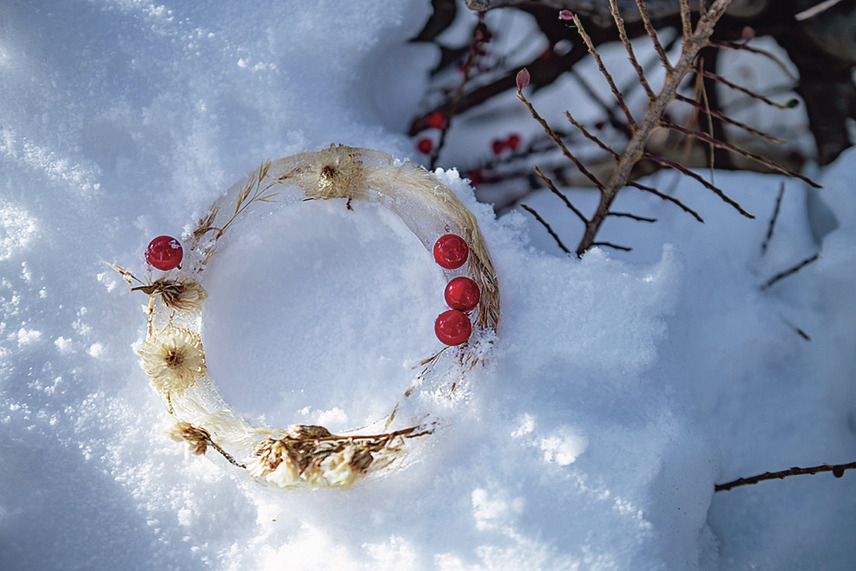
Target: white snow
621,389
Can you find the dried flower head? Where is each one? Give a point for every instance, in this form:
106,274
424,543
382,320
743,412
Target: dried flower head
198,438
184,294
273,461
173,358
337,173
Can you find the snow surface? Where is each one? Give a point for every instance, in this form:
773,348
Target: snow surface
621,389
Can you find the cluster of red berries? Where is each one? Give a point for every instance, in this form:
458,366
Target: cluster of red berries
462,294
434,120
512,143
164,253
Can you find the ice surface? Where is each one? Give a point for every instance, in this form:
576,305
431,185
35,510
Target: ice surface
621,388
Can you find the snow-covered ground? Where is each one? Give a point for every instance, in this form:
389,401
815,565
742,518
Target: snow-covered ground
621,388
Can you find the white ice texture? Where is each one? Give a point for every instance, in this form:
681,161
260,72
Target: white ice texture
621,388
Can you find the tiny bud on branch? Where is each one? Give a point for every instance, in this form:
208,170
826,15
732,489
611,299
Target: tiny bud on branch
566,15
522,79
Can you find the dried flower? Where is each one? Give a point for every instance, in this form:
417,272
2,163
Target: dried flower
273,461
198,438
307,432
173,358
184,294
337,173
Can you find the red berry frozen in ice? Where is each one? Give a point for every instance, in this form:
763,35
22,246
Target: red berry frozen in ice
425,146
453,327
513,141
462,293
497,147
164,253
450,251
436,120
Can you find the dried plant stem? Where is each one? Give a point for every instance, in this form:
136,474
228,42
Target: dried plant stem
837,470
225,454
693,43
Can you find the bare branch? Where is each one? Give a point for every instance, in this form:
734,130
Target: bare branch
789,271
632,216
743,90
726,119
594,53
739,151
718,191
588,135
667,198
563,198
558,140
631,55
837,471
547,226
613,246
652,33
773,219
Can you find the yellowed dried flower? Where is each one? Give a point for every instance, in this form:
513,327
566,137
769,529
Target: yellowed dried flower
173,358
341,469
198,438
336,173
307,432
274,463
184,294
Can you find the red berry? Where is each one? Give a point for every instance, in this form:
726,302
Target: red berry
425,146
462,293
164,253
498,146
476,177
450,251
512,142
436,120
453,327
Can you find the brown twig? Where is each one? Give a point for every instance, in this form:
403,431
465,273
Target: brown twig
480,35
837,471
546,180
790,271
547,227
739,151
726,119
773,219
636,147
600,65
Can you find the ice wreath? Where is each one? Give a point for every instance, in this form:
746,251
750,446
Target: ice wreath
306,455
